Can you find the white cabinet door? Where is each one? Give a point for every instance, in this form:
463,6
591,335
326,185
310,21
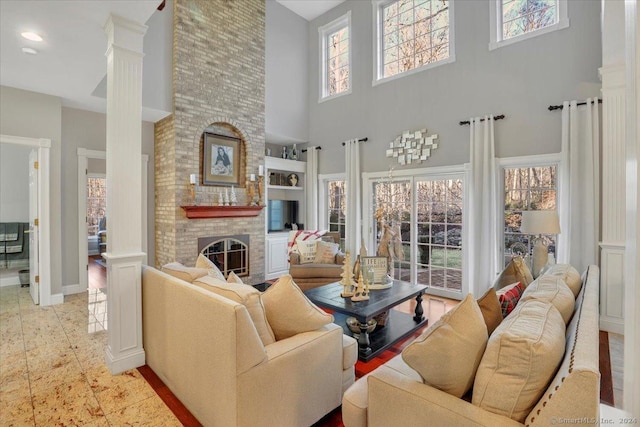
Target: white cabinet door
277,263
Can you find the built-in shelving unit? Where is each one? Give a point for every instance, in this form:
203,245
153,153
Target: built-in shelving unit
276,263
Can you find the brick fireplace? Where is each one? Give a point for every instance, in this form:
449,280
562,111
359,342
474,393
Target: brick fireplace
218,86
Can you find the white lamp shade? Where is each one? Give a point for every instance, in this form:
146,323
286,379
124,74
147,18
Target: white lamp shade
540,222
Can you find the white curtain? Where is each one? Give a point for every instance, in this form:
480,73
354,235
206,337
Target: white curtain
579,177
352,184
311,189
483,254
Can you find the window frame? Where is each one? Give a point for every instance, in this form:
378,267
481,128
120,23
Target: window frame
378,72
539,160
323,32
413,175
496,39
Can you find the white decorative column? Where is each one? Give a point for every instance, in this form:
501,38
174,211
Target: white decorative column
612,246
124,212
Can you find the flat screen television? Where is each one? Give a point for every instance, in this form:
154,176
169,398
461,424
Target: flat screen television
281,214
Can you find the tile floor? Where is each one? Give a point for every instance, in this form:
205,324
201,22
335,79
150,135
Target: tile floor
52,369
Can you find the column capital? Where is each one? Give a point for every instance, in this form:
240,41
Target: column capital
124,33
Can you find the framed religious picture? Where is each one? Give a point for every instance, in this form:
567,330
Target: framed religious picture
221,160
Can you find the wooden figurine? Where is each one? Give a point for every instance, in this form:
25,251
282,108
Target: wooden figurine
360,291
347,277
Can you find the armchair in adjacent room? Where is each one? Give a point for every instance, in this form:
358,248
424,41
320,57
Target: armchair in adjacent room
102,234
311,275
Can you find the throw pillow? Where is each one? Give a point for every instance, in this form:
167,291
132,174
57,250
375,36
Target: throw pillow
214,271
245,295
326,252
307,251
188,274
509,297
569,274
289,311
553,290
460,332
491,310
233,278
516,271
521,358
296,236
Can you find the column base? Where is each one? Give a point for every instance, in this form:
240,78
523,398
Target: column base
124,362
124,308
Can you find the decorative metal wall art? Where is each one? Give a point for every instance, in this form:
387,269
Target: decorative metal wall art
412,147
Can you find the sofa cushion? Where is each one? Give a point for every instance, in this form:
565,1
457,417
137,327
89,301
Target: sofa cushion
521,357
569,274
245,295
307,251
214,271
188,274
491,310
326,252
349,352
289,311
460,332
516,271
552,289
509,297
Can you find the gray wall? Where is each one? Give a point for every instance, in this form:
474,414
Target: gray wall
88,130
520,81
286,75
35,115
14,183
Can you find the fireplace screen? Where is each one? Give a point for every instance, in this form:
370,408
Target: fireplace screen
228,253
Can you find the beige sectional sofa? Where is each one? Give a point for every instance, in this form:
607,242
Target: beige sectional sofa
394,393
207,350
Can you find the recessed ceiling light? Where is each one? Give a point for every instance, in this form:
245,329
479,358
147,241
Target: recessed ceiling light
29,51
31,36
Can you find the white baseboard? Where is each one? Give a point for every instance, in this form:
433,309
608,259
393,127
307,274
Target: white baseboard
131,360
72,289
611,325
57,299
9,281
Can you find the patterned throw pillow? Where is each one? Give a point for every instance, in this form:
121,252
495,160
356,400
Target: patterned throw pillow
510,297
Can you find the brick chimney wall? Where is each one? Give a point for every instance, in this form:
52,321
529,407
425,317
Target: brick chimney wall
218,82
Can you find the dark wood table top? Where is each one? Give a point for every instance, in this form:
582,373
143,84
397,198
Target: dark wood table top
328,296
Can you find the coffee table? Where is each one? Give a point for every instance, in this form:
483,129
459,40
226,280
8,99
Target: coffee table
398,325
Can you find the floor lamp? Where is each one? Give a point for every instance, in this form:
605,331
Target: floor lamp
540,222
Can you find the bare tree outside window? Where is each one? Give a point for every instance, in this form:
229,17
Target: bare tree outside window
96,203
524,16
336,204
338,61
529,188
414,33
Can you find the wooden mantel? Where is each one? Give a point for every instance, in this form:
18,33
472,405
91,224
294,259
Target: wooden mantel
195,212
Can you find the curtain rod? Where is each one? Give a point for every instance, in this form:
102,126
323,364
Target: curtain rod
559,107
365,139
468,122
304,150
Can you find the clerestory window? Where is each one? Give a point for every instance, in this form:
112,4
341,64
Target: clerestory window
412,35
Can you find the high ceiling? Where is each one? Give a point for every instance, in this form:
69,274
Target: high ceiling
310,9
71,62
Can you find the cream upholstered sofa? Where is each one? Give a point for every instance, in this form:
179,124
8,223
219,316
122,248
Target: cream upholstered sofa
396,392
207,350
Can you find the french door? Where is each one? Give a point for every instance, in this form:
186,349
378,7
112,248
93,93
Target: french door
429,212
